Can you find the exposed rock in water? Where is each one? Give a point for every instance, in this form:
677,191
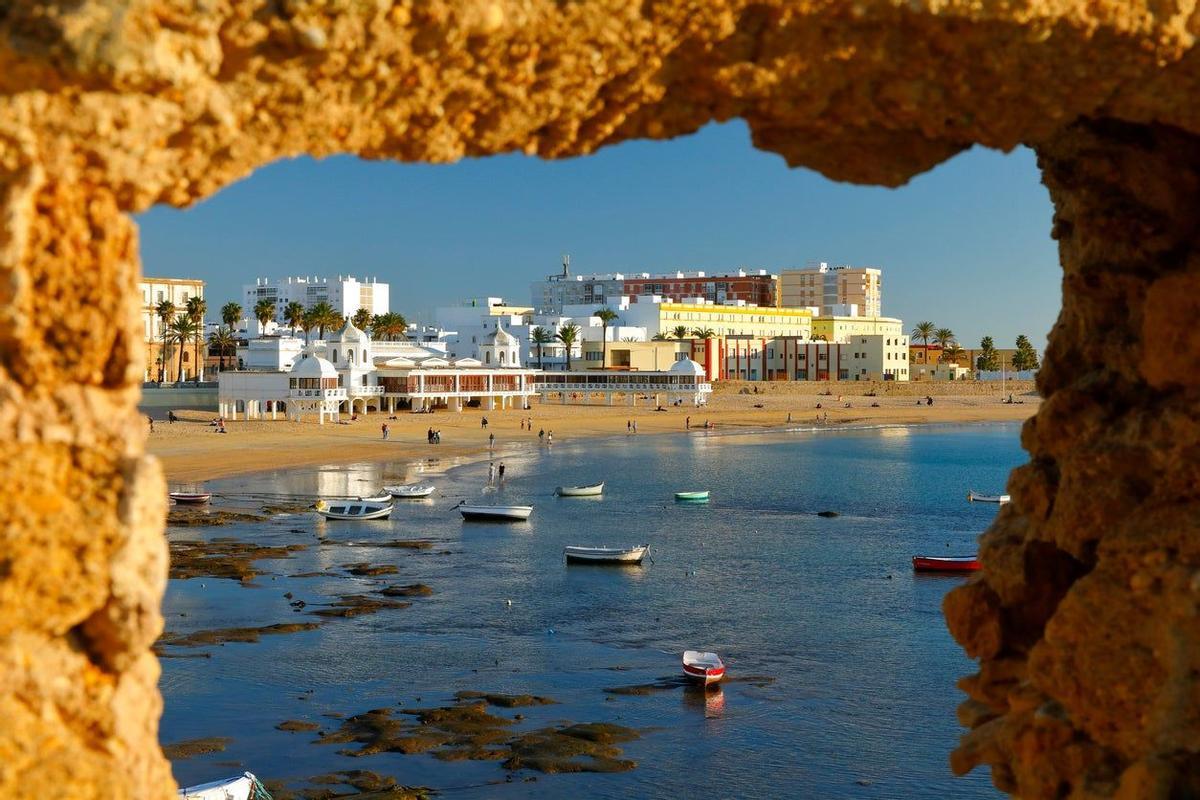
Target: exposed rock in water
588,747
411,590
369,570
366,785
197,518
297,725
222,635
355,605
222,558
827,513
506,700
189,748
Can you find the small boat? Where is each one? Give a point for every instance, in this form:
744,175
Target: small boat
490,513
973,497
382,497
691,497
945,563
411,491
353,509
705,667
606,555
190,498
243,787
591,490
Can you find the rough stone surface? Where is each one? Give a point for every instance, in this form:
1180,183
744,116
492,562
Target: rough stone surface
1084,619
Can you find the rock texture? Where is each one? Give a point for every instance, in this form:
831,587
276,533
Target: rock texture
1084,620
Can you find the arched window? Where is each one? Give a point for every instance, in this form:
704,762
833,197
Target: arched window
501,356
335,356
487,358
364,355
350,356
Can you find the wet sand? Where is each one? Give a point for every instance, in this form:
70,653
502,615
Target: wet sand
190,450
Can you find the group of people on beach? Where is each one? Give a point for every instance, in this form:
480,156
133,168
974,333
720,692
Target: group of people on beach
433,437
494,471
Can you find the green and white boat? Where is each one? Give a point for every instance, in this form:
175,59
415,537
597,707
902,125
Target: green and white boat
691,497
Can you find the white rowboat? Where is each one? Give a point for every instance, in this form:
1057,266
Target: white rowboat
485,513
692,497
705,667
353,509
382,497
190,498
412,491
973,497
243,787
593,490
606,555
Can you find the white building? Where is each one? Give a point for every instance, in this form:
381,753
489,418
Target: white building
346,294
684,382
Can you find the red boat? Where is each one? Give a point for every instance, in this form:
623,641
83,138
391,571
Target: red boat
945,563
705,667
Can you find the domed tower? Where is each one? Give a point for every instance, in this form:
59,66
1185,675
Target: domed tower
500,348
313,388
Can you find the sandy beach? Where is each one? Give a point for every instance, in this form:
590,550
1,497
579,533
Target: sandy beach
191,451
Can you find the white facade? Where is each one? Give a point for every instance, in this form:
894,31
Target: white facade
275,353
685,381
345,293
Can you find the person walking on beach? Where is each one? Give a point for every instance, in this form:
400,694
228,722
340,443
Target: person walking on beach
549,437
541,434
483,422
491,441
151,419
635,426
628,426
789,418
501,472
687,424
491,471
384,428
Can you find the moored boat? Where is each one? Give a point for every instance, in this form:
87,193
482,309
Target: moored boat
190,498
975,497
945,563
606,555
353,509
411,491
691,497
494,513
242,787
704,667
591,490
382,497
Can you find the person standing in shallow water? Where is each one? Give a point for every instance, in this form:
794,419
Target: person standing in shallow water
500,471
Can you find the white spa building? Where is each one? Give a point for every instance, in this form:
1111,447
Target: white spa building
349,373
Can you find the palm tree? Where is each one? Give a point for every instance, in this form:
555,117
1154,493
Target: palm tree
924,331
264,312
659,337
362,319
183,330
952,353
308,321
196,309
567,334
606,316
293,315
224,341
165,310
541,337
389,326
323,316
680,332
945,338
704,333
231,315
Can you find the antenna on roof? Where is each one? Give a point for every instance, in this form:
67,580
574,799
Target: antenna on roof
566,265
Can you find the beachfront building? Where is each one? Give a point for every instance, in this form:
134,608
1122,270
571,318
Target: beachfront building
556,292
164,359
685,382
635,356
827,288
843,328
861,358
346,294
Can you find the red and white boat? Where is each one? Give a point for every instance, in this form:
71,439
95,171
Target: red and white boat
190,498
704,667
945,563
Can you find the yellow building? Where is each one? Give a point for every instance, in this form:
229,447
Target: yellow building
824,287
841,329
178,291
760,321
653,356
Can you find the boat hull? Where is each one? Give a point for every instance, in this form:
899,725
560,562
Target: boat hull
704,668
353,510
190,498
945,564
239,788
594,490
495,513
409,492
988,498
691,497
606,556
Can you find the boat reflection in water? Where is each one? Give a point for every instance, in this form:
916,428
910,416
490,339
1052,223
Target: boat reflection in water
711,699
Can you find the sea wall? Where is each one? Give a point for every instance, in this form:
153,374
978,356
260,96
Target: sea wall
1084,620
882,388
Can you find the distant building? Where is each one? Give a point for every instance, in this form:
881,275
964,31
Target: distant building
178,291
630,356
825,288
859,358
756,287
345,294
844,328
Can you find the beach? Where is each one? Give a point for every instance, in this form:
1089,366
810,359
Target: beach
191,451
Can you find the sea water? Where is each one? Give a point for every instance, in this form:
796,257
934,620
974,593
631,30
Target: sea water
854,669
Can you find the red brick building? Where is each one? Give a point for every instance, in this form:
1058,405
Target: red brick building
758,288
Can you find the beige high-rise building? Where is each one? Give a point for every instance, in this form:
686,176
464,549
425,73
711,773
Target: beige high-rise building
833,290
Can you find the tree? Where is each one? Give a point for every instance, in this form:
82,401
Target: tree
540,337
952,354
1026,358
389,326
323,316
362,319
704,333
567,334
196,309
183,330
293,315
606,316
660,337
680,332
989,359
165,311
924,331
943,337
224,342
231,315
264,312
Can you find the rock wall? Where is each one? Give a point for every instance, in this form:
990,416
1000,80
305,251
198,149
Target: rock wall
1084,620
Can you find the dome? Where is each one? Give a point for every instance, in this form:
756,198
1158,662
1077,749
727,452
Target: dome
501,337
311,366
687,367
349,333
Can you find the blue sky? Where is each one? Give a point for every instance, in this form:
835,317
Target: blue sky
966,245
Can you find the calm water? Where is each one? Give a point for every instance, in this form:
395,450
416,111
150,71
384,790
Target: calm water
863,698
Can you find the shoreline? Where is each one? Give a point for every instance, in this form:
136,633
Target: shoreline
190,452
